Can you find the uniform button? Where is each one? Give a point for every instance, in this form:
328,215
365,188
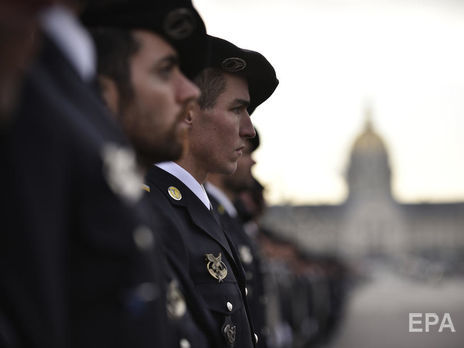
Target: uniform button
256,338
229,306
184,343
246,291
143,237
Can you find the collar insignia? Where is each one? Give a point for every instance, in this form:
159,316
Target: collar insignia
174,193
221,210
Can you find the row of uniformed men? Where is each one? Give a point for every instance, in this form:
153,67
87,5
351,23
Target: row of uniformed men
297,298
89,259
304,294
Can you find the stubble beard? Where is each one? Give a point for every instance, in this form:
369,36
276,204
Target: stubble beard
168,146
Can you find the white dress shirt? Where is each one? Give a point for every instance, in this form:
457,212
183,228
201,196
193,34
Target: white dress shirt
71,37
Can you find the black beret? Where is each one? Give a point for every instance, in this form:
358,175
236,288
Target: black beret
176,21
260,74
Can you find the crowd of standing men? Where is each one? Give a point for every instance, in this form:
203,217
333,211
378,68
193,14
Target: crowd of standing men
297,298
114,114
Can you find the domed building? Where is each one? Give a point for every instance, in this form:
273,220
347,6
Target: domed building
369,171
371,222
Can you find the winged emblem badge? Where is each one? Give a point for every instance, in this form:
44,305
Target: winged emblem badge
216,267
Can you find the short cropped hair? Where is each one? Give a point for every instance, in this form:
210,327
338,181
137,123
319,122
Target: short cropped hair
114,48
212,84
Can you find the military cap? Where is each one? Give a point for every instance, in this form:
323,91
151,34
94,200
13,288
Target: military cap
176,21
260,74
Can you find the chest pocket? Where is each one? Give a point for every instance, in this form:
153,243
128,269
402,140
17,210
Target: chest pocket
225,303
222,298
217,284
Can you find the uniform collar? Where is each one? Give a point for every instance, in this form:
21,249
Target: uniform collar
72,39
187,179
221,198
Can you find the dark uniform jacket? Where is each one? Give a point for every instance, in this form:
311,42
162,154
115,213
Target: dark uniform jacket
190,325
77,265
251,262
199,244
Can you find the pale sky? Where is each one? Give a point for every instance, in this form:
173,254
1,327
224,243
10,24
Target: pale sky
334,57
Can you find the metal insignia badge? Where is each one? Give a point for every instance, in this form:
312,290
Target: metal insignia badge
233,64
216,267
179,23
175,301
230,332
221,210
121,173
245,254
174,193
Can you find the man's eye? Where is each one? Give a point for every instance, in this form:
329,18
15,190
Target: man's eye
237,110
166,70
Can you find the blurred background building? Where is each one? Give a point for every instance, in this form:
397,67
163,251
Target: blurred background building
370,222
401,257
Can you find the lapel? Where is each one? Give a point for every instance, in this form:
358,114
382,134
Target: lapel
200,215
227,220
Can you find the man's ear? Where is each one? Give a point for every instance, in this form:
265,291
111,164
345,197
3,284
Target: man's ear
110,93
189,117
192,113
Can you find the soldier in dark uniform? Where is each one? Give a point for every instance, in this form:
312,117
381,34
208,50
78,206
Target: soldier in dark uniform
140,53
237,81
77,260
18,24
224,190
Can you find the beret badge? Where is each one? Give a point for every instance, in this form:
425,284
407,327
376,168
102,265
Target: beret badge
179,23
233,64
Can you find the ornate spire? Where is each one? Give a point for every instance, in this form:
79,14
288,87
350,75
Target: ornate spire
368,117
368,140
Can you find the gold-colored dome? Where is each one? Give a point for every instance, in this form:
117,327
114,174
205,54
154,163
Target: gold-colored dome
369,140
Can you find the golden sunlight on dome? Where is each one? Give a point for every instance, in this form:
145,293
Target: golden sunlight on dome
369,140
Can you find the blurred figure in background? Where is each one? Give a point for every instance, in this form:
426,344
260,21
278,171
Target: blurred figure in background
77,264
305,293
18,28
